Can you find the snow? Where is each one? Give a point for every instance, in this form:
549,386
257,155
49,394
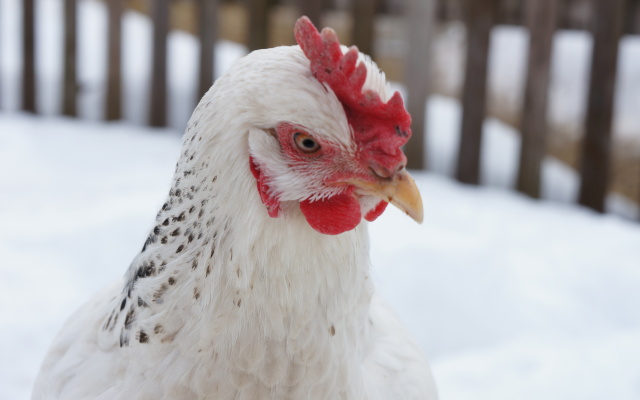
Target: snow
509,297
513,298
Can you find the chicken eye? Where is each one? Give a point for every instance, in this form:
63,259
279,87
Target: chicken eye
306,142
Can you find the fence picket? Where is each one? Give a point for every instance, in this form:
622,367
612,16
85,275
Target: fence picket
594,170
0,76
362,13
113,103
158,99
259,23
70,81
541,20
207,32
480,19
312,9
420,24
631,16
28,57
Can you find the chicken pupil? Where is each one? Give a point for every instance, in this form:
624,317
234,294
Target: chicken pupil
305,142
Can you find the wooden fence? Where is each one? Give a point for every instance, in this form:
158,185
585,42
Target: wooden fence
606,19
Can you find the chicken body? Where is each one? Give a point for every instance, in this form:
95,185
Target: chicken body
226,299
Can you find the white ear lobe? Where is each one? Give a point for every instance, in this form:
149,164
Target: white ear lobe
267,154
264,148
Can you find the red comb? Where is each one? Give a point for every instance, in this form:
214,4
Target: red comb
381,128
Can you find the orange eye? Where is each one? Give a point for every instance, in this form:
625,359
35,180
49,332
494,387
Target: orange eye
305,142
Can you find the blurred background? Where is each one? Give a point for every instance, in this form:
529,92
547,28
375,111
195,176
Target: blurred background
512,101
564,75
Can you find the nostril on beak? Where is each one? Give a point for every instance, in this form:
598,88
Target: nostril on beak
383,172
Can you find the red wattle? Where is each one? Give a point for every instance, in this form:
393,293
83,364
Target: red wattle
334,215
376,211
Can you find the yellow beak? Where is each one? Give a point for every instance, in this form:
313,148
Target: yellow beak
399,190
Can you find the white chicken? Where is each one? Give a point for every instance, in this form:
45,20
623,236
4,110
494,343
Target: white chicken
254,282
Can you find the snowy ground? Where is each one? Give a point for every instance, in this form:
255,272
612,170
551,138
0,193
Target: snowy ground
511,298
